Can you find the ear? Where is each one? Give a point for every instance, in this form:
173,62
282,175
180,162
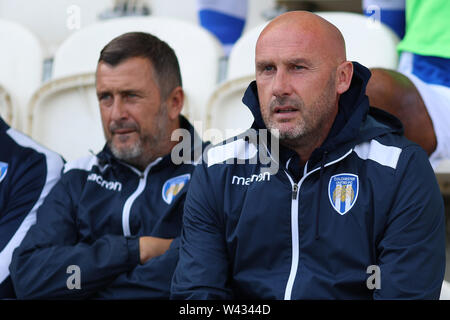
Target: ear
344,74
175,103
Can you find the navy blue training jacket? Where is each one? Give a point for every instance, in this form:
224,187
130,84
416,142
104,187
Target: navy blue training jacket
91,222
364,218
27,173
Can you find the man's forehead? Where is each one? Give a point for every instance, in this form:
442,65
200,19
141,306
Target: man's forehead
130,73
137,64
293,46
304,32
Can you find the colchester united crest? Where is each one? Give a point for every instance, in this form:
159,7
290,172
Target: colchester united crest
3,170
343,192
173,186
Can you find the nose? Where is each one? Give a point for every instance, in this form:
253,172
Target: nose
281,84
118,109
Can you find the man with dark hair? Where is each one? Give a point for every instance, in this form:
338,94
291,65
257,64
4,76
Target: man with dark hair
354,212
106,230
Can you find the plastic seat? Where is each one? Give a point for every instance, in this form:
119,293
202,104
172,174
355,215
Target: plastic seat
21,68
241,61
64,116
367,41
227,114
53,21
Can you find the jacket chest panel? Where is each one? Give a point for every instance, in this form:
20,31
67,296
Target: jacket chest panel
100,206
259,232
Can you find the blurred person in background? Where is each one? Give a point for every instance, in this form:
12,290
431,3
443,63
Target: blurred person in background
28,171
418,92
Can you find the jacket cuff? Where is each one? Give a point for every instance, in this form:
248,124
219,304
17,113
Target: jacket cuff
133,250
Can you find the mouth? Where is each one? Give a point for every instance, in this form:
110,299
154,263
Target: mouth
285,109
123,131
123,135
285,113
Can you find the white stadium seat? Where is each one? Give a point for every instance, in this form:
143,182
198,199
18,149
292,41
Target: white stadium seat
226,111
241,61
21,67
64,115
367,41
53,21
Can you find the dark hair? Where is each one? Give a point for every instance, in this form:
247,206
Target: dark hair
141,44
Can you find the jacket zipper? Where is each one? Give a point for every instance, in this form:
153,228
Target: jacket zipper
294,224
294,191
129,202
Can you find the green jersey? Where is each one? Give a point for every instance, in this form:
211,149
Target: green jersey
427,28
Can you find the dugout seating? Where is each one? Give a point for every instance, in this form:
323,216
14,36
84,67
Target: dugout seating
21,70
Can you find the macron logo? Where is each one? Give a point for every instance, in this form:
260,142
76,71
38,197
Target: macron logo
109,185
254,178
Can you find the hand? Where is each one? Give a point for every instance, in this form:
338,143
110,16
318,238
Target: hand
150,247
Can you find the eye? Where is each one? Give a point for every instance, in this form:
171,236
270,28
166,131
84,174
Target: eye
266,68
131,95
299,67
104,96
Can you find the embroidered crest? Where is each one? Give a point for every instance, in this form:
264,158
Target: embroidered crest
3,170
343,192
173,186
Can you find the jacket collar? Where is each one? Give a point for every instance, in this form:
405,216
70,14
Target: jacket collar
106,157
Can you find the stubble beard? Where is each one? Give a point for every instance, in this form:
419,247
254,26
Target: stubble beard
147,147
309,128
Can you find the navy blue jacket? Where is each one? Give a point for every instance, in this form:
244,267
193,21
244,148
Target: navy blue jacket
27,173
364,218
91,222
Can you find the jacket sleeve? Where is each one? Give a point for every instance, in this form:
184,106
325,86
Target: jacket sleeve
30,180
51,261
202,270
412,250
148,281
